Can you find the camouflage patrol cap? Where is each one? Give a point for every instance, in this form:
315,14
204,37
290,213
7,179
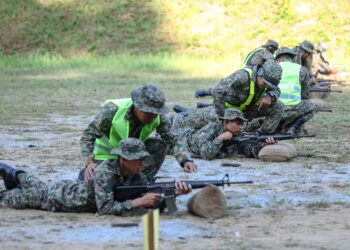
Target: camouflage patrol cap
149,99
285,51
272,73
307,46
131,149
233,114
272,43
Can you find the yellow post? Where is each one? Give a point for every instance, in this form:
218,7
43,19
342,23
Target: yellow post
151,229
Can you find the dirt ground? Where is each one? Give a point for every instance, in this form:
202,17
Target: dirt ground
290,205
302,204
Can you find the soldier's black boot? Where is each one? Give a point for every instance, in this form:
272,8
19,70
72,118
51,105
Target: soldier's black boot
203,92
294,128
179,109
9,175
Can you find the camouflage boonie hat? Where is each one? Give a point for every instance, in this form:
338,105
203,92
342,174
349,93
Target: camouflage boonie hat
233,114
272,43
307,46
131,149
149,99
272,73
285,51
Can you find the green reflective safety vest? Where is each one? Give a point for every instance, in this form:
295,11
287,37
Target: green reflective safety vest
247,102
248,56
119,131
290,84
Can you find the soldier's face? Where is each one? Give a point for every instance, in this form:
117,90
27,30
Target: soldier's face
144,117
233,126
305,55
132,166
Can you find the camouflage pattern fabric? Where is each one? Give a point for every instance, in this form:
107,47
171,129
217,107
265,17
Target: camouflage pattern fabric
305,109
203,143
93,196
272,114
297,59
149,99
235,90
102,123
259,57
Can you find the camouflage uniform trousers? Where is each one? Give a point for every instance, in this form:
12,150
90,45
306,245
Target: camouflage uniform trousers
305,109
65,196
272,114
32,194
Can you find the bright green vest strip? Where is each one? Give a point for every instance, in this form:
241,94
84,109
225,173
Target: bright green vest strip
120,131
251,93
248,56
290,84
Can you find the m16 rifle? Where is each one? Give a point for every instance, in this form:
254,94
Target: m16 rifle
323,90
201,105
247,139
167,190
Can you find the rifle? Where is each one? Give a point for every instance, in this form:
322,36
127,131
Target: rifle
203,92
331,81
247,139
201,105
324,110
167,190
323,90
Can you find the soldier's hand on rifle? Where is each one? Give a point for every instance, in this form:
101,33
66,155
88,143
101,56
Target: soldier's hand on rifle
265,102
148,200
89,170
190,167
270,141
226,136
182,188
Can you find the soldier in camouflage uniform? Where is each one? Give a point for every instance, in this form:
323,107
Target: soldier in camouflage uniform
294,86
136,117
260,55
208,142
254,91
96,195
304,57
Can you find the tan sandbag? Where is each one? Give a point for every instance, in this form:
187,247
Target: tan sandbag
208,203
282,151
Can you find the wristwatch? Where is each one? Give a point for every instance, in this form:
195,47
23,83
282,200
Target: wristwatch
189,159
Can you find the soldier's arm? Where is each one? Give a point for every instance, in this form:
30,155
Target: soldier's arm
97,128
304,79
207,138
227,87
172,140
275,94
104,183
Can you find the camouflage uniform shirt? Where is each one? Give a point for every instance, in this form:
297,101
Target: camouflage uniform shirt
203,143
297,59
235,90
259,57
102,124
